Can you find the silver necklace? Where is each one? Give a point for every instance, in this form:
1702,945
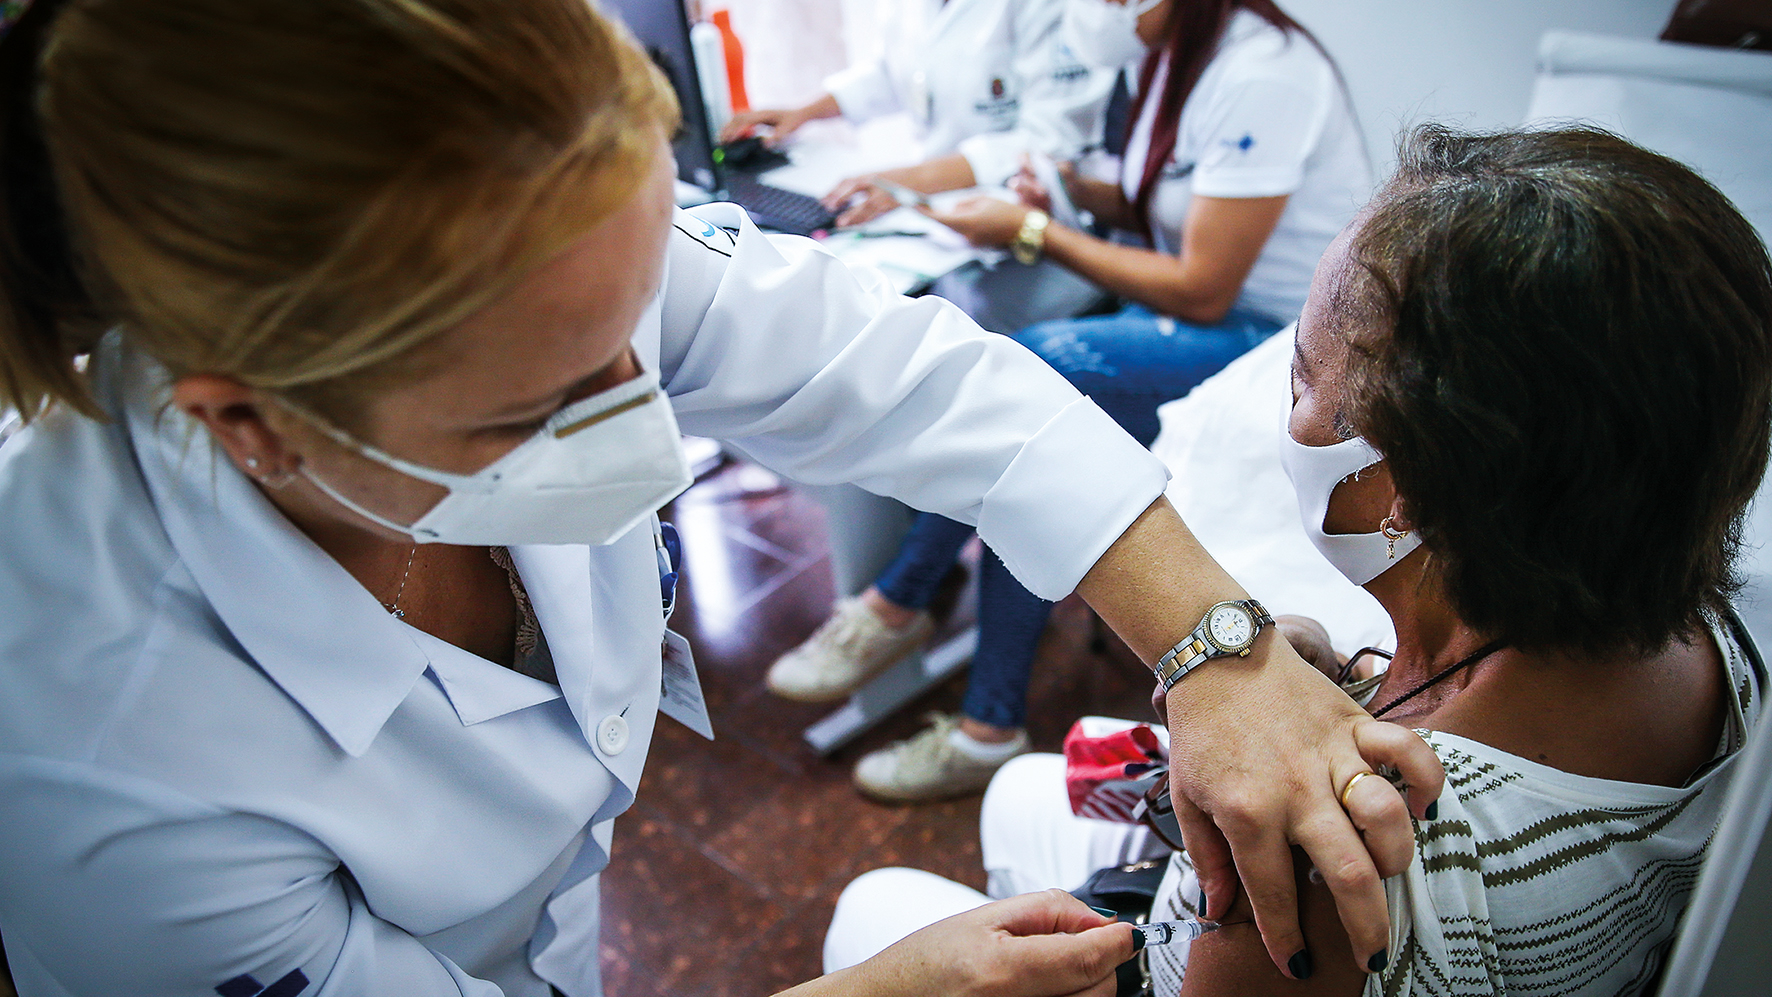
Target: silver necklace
394,607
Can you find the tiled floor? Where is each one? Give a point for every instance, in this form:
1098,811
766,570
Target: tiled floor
725,871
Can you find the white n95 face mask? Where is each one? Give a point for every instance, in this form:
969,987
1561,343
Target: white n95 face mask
1315,471
595,470
1105,34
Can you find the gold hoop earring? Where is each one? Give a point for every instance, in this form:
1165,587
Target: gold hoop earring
1391,536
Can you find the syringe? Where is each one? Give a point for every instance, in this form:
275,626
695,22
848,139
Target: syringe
1169,932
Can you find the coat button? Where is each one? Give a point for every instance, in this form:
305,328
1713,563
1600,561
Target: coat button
612,735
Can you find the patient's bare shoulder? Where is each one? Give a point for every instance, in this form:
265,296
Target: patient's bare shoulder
1652,719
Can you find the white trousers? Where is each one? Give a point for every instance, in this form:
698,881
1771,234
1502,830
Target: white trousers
1031,841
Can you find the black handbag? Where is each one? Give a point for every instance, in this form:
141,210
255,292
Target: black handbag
1130,891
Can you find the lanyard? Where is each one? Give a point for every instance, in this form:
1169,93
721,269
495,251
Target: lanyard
668,546
1478,655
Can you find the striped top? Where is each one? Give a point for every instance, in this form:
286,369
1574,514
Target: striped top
1535,881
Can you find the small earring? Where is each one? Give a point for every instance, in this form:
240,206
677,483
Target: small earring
252,463
1391,536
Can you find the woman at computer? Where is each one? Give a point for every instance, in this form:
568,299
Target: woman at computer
985,80
1242,162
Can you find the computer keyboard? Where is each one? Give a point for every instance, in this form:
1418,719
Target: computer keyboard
773,207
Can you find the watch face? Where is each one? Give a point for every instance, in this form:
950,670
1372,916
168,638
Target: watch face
1230,627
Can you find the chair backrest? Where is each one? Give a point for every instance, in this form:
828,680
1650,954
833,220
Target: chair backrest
1723,944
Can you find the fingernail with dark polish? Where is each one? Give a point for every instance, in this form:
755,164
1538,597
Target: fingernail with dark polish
1202,907
1433,810
1104,912
1137,939
1379,960
1300,965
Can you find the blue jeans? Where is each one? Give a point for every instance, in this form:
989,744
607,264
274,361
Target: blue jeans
1129,362
1010,618
1134,360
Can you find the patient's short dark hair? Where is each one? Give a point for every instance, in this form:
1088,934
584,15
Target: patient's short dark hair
1575,391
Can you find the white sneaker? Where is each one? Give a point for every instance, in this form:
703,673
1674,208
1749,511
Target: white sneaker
930,766
845,651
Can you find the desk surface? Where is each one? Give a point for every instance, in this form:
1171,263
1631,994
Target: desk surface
912,250
915,252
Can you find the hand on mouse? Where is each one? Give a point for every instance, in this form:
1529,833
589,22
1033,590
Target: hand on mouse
780,122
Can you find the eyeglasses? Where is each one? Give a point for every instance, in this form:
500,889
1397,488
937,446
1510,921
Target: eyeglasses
1348,669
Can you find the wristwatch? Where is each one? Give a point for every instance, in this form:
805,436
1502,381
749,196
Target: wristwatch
1228,628
1031,240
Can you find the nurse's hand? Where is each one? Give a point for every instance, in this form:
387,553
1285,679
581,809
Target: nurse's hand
1260,749
1258,754
1035,945
984,221
859,199
781,123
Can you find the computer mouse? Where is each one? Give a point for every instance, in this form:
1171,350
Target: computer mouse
750,153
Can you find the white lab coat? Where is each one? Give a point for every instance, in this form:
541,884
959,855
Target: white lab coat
989,79
224,768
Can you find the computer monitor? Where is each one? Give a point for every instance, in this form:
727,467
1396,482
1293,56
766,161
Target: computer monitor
662,29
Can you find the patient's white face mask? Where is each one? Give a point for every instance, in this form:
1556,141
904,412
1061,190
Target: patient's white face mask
1105,34
595,470
1315,471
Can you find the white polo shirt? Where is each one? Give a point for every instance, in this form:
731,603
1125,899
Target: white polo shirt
1267,117
225,769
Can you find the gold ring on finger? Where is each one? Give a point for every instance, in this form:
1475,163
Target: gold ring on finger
1351,783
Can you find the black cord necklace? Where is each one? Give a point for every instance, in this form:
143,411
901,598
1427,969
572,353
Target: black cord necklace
1478,655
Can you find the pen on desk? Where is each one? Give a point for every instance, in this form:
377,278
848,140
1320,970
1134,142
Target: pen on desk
1169,932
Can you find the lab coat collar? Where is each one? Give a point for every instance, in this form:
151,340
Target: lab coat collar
479,691
294,610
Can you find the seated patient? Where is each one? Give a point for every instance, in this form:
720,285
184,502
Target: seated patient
1531,392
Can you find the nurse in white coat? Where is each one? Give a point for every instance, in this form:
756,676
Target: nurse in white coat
986,81
354,338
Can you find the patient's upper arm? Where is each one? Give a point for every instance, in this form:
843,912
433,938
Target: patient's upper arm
1233,961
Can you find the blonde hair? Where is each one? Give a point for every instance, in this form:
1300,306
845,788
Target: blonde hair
297,194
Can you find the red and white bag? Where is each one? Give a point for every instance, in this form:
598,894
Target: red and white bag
1108,763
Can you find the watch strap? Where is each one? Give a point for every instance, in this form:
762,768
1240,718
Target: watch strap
1195,650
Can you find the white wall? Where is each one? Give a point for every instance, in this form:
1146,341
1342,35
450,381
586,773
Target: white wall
1465,62
790,46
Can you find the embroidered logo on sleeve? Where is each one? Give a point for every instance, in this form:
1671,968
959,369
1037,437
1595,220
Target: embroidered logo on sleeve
244,985
715,237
